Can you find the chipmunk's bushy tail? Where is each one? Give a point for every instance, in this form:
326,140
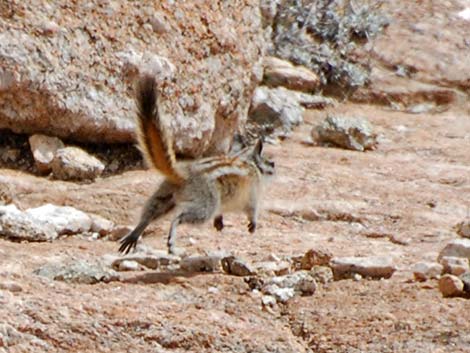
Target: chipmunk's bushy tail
154,142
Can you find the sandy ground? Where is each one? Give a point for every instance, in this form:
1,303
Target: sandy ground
412,189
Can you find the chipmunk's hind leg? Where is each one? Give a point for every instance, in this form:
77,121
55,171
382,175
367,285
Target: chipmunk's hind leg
159,204
129,242
202,203
219,222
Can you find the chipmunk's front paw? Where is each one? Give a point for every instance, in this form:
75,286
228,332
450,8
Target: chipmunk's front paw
252,227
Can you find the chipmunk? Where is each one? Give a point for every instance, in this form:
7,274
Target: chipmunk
198,190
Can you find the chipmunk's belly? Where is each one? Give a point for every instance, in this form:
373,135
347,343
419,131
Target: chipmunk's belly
234,196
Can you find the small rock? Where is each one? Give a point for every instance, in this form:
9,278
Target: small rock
315,257
276,110
272,268
213,290
72,163
349,133
64,219
119,232
201,264
455,265
16,225
44,149
268,300
314,101
456,248
82,272
128,265
301,282
280,294
370,267
159,23
11,286
322,274
463,229
451,286
49,28
278,72
236,267
423,271
101,225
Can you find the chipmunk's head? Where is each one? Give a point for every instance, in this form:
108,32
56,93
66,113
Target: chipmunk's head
264,164
241,147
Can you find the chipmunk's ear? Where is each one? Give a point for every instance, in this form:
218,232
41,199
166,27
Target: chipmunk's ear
258,147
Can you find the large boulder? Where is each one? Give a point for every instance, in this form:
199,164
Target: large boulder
67,69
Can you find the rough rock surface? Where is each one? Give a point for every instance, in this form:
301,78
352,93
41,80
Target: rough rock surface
67,68
345,132
72,163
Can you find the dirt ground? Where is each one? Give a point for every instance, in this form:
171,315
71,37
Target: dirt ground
412,189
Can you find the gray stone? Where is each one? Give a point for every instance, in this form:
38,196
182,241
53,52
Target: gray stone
456,248
72,163
201,264
455,265
345,132
235,266
44,149
370,267
16,225
64,219
277,110
82,272
463,229
423,271
278,72
451,286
